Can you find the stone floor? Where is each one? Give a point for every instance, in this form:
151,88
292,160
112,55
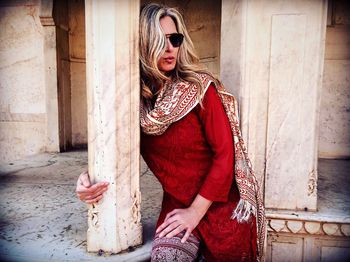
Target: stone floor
41,219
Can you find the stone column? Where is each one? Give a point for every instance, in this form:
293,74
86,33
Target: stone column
113,122
272,55
272,58
50,61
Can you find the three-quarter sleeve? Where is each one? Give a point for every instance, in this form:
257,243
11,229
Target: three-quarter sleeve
218,181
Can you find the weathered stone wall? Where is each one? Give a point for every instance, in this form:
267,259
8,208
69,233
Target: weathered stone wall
334,139
25,124
22,80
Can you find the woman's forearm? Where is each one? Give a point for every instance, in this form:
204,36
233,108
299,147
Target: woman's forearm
201,205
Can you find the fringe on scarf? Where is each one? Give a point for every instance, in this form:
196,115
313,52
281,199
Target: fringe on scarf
243,211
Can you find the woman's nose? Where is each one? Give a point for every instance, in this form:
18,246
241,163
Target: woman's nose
169,46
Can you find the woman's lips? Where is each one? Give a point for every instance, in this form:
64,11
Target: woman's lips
169,59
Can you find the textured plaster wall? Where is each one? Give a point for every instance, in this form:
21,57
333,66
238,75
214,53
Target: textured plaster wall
22,81
334,138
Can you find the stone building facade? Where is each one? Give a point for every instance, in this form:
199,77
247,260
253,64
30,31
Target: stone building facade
65,64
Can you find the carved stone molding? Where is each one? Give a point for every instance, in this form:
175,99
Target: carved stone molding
311,227
312,184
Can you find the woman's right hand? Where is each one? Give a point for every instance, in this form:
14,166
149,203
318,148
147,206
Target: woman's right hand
90,193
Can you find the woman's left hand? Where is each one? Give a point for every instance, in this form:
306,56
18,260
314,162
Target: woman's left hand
179,220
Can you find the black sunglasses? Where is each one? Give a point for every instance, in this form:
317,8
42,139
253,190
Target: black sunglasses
175,39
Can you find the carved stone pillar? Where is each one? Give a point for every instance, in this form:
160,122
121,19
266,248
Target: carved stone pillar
272,59
272,56
113,122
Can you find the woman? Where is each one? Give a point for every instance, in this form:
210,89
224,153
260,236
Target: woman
191,141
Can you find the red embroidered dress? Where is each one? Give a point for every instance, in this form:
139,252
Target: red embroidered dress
194,156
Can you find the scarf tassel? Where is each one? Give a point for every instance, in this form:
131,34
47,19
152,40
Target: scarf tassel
243,211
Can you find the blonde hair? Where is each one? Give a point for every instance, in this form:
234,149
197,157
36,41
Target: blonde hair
152,47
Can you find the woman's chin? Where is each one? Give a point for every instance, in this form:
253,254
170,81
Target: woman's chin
166,69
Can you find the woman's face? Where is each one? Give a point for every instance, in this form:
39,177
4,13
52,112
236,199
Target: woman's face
167,61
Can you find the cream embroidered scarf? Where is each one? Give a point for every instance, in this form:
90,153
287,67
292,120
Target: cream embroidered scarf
177,99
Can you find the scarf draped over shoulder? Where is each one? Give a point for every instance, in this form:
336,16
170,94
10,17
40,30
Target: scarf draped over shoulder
175,100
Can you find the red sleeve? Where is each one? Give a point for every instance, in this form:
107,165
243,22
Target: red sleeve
218,133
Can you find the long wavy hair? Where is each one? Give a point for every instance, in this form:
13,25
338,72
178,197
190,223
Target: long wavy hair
152,47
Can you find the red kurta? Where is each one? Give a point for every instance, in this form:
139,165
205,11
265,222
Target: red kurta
195,156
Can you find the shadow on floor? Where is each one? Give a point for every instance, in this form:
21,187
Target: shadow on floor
41,219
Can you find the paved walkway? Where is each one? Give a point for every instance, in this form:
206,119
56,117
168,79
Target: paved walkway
41,219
